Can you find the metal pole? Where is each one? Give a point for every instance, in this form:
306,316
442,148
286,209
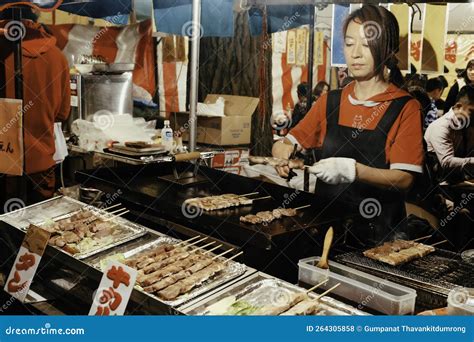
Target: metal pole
193,95
309,96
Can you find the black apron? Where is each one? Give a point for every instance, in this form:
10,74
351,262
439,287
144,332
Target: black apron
379,214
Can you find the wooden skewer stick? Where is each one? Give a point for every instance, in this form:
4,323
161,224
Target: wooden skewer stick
189,240
316,286
235,256
222,254
261,198
250,194
327,291
303,207
212,250
115,216
202,247
438,243
198,241
116,211
113,206
422,238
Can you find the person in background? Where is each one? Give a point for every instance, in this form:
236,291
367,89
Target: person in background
301,108
447,138
440,102
322,87
346,81
467,78
46,88
434,89
370,132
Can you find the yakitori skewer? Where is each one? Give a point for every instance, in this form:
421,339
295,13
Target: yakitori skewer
303,207
212,249
439,243
327,291
118,215
316,286
222,254
189,240
233,257
422,238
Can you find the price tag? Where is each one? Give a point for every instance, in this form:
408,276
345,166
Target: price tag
26,263
114,290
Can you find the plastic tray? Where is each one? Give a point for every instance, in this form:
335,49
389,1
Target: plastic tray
361,288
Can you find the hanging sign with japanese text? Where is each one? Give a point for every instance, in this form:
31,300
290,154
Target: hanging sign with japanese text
114,290
27,261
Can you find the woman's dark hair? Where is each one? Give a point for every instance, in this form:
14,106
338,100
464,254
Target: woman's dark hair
469,65
383,35
318,90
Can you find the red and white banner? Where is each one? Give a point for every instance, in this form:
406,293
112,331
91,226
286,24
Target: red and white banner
129,44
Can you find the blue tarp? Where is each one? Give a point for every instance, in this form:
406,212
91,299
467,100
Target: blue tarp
279,18
175,17
88,8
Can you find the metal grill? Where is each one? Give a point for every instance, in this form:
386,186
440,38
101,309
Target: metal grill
438,272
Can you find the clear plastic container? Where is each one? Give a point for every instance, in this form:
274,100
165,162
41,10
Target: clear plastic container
461,302
361,288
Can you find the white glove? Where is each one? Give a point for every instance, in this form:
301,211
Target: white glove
335,171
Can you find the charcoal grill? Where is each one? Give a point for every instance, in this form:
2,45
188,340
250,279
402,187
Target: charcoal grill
433,275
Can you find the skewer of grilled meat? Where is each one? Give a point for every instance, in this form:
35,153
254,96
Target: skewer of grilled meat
291,163
187,284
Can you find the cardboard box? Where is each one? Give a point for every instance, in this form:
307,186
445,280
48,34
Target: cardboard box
233,129
231,157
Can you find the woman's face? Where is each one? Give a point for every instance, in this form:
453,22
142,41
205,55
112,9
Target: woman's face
325,90
470,73
359,59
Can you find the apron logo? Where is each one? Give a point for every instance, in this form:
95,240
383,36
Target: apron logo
370,208
357,122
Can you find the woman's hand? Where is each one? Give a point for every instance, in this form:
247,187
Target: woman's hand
282,149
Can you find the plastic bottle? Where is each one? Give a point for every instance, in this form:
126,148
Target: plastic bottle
167,136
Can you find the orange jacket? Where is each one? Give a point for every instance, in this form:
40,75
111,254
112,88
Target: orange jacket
46,90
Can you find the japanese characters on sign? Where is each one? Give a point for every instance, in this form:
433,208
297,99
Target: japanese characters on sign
26,263
114,291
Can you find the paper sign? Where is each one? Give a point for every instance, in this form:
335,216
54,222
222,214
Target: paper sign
291,47
403,14
115,289
279,42
26,263
11,137
434,38
301,47
318,48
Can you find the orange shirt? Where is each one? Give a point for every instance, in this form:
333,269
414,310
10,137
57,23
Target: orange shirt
46,93
404,145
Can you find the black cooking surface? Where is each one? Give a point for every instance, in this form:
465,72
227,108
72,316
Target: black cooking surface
143,185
